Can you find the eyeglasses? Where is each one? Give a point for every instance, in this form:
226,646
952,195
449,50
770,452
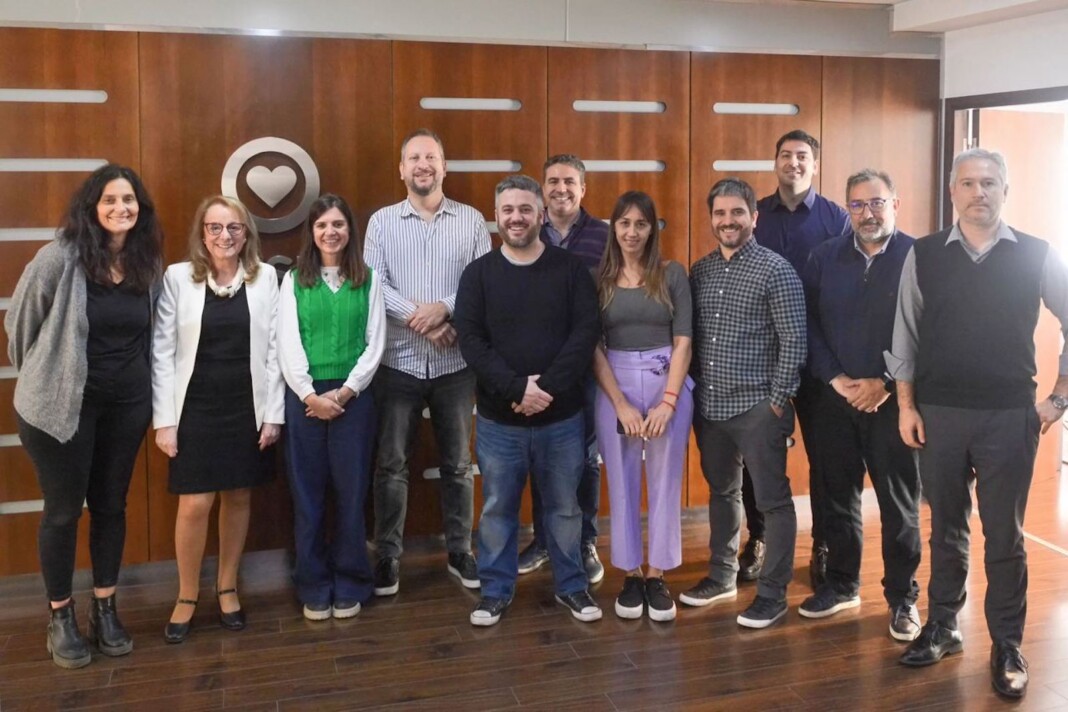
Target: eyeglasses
235,229
875,204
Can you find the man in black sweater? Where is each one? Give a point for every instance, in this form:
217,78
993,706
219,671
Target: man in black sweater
527,320
964,360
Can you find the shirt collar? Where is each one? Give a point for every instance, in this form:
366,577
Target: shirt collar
869,258
1003,233
749,246
447,206
808,201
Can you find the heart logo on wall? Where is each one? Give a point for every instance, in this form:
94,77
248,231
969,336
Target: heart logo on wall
271,186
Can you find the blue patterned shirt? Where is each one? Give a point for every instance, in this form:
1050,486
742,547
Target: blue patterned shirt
749,330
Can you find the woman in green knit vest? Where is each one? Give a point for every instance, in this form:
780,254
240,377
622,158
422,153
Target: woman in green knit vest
331,334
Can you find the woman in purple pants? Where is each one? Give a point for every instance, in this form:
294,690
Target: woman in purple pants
644,402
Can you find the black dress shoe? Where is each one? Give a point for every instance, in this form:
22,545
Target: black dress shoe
751,560
934,643
1008,670
105,629
177,632
817,566
65,642
235,620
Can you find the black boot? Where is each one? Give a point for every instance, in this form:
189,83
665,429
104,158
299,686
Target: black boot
65,642
105,628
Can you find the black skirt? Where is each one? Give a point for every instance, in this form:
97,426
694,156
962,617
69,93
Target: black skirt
218,443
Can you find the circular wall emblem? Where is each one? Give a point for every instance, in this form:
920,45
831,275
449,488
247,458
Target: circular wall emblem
272,186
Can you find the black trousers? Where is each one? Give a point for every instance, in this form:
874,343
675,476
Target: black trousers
845,443
805,403
995,450
94,467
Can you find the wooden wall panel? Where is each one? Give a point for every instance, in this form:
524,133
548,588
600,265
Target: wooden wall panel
626,75
61,59
427,69
744,78
883,114
331,97
179,105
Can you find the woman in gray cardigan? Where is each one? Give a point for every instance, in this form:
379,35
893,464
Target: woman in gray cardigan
79,329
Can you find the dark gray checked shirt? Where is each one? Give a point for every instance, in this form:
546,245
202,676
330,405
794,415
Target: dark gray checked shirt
749,330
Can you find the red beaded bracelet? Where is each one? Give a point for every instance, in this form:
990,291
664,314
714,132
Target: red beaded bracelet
669,405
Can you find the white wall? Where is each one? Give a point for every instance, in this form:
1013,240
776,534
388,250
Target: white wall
675,24
1026,53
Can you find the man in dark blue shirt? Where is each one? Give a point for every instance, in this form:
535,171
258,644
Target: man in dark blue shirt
568,225
851,287
794,220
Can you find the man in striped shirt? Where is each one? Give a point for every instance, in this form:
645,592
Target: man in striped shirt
419,247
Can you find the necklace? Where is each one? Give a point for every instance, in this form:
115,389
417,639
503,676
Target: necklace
231,289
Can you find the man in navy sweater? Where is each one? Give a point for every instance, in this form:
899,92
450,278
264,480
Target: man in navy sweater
568,225
528,322
964,360
851,294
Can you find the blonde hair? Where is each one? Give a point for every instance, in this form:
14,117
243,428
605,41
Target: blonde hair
198,253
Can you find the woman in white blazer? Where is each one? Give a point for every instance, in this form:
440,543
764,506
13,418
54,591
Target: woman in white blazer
217,396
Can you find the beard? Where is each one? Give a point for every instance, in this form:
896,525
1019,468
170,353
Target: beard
521,241
423,190
874,238
738,240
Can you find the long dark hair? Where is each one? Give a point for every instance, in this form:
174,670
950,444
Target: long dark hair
653,281
309,262
140,257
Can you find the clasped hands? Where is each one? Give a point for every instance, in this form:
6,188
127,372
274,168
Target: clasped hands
328,405
864,394
535,400
430,321
653,425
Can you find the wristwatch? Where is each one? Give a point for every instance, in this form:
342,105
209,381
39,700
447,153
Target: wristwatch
891,385
1059,402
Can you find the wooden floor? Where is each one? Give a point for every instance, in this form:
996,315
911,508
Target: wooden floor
417,650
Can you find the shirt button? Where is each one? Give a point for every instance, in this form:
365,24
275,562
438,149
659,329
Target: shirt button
713,338
710,363
717,315
721,291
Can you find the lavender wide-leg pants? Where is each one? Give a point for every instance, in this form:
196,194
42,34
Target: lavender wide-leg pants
642,377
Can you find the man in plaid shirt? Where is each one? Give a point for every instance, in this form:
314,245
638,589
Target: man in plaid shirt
749,345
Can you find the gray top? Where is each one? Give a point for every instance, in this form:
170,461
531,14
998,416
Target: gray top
901,361
47,330
634,321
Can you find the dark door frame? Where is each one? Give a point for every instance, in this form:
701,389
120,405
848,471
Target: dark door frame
982,101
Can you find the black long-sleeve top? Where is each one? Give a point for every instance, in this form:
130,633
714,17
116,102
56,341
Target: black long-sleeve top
515,321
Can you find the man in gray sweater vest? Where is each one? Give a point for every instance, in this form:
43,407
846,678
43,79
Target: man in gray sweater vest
964,360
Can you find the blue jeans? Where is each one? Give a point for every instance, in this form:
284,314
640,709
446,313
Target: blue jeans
589,487
553,455
323,456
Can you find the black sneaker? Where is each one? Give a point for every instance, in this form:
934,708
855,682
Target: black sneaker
657,595
762,612
592,563
318,611
751,560
488,611
826,602
582,606
630,603
464,567
387,576
346,609
707,591
532,558
904,622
